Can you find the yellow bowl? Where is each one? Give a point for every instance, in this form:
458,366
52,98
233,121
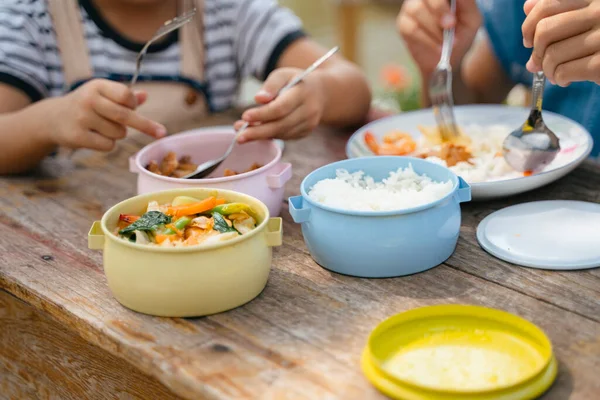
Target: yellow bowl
188,281
459,352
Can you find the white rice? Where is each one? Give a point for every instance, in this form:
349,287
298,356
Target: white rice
401,190
486,143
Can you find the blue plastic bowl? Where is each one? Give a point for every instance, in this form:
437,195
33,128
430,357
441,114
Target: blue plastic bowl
380,244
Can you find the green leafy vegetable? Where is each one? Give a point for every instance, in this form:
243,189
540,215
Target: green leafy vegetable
220,224
147,222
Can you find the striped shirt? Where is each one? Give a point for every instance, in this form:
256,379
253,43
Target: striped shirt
242,38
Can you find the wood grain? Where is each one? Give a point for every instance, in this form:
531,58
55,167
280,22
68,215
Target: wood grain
40,359
302,337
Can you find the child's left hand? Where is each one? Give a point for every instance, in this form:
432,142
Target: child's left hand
565,36
293,114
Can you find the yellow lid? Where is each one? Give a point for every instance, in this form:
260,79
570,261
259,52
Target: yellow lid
459,351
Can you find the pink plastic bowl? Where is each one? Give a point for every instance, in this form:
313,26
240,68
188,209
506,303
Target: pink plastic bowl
266,183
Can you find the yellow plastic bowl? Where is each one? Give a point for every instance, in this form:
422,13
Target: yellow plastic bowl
190,281
424,353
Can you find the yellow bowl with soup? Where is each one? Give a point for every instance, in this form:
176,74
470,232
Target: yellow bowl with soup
459,352
215,270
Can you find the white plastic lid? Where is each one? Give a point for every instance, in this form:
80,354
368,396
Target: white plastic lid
557,235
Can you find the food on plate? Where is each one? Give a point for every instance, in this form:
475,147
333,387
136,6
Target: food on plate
230,172
451,153
173,168
402,189
394,144
476,155
398,143
187,221
461,360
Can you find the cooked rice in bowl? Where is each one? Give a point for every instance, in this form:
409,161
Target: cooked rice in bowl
402,189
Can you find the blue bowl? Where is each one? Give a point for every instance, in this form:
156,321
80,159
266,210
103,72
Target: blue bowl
380,244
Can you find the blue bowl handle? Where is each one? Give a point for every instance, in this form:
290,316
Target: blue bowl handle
299,214
463,194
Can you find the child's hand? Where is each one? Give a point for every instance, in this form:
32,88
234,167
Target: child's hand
421,24
97,114
291,115
565,36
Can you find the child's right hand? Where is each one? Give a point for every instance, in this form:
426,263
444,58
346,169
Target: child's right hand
421,24
97,114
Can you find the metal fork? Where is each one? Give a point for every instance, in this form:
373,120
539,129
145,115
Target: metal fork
440,87
168,27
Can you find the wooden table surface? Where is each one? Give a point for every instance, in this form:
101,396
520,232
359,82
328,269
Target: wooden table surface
62,334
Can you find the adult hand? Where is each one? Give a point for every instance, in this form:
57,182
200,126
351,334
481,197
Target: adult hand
421,24
565,36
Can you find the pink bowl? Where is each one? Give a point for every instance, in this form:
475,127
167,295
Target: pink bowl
266,183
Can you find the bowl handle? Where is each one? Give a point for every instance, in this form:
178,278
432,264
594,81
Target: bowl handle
279,180
274,232
133,165
96,236
299,214
463,194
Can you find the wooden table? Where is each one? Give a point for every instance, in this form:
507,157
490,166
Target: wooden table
62,334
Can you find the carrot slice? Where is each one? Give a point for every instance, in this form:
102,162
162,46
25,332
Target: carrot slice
130,219
194,208
161,238
527,173
220,201
371,142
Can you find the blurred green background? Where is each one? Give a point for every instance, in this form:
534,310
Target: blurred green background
377,42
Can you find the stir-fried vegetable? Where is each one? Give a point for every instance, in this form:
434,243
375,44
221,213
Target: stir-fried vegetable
193,208
234,208
147,222
221,224
188,221
129,219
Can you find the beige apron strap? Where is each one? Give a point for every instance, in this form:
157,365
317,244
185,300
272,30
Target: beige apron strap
192,43
66,17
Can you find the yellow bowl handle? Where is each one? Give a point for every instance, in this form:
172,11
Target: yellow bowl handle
96,236
274,232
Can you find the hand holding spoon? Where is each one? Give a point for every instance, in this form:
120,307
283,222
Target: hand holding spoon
206,168
534,145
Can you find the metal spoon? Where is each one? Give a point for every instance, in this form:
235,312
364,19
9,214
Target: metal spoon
206,168
533,146
168,27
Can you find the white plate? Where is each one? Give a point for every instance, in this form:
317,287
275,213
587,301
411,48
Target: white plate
574,138
558,235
